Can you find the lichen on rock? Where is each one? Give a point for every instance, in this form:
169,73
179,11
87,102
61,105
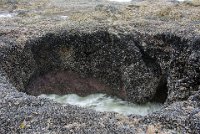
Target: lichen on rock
138,51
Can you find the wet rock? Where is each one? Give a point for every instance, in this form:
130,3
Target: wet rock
139,55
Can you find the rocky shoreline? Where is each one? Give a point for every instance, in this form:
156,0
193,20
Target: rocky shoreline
103,48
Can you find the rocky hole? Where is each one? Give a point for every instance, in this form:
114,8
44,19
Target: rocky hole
90,63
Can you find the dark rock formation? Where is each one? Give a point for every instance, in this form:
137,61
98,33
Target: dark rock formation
65,82
120,50
135,69
119,62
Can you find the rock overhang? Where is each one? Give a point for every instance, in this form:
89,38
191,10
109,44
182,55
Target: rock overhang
167,44
116,63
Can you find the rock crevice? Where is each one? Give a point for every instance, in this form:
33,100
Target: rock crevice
133,67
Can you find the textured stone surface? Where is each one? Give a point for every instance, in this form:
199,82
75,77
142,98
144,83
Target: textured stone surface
116,61
141,51
66,82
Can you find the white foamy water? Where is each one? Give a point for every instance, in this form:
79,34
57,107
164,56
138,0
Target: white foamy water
64,17
6,15
102,102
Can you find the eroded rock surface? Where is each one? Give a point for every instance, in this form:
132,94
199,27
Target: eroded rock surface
125,50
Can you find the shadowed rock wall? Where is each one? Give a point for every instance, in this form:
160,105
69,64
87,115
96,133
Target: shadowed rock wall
116,61
135,67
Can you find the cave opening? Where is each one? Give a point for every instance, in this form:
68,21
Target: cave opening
90,64
161,91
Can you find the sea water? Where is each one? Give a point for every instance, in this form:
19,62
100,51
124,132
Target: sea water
6,15
103,102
